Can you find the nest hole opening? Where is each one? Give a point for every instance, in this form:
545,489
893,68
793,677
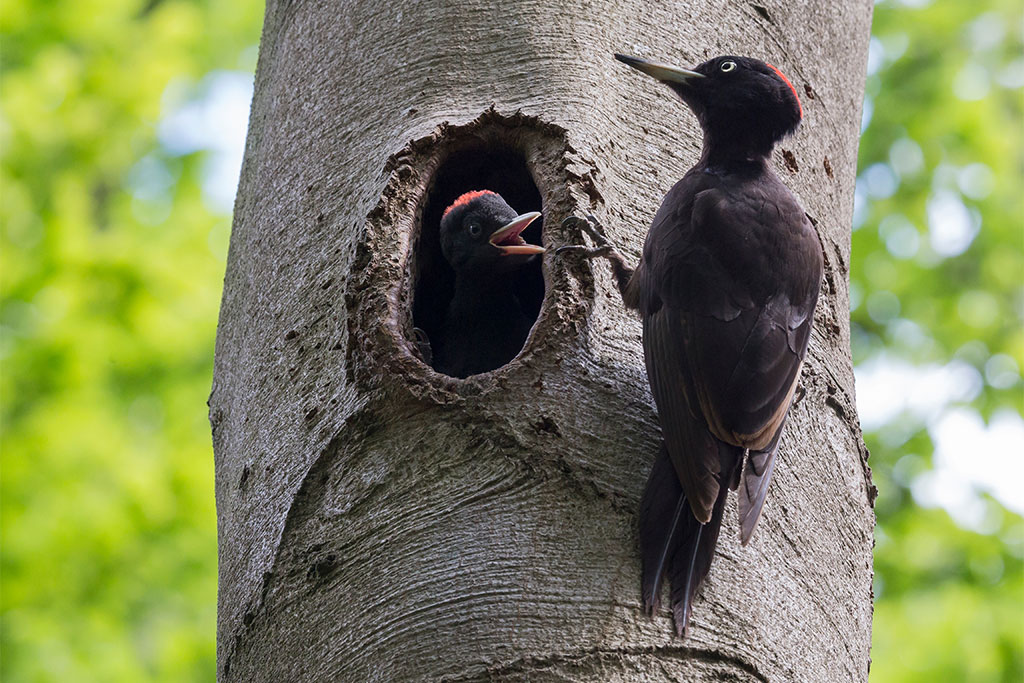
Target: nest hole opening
477,166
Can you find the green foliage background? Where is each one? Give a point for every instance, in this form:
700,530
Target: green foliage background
111,264
946,131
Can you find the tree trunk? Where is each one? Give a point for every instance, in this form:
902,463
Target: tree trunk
379,521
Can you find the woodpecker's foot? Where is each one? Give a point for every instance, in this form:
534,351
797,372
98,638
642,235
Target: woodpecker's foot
603,249
592,227
583,251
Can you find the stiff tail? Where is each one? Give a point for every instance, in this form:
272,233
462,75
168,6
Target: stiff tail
663,510
692,562
673,542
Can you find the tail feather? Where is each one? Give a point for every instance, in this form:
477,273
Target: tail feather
663,511
692,562
683,594
673,542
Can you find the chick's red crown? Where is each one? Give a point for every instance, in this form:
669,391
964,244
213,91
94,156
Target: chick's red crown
466,198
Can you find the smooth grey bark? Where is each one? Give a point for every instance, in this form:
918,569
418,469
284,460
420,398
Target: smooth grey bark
380,522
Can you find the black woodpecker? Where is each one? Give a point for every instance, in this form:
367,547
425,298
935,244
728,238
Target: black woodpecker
726,287
484,326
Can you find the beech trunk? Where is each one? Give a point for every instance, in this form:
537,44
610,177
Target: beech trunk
379,521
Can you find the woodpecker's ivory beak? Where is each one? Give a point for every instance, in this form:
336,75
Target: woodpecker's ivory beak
507,237
663,72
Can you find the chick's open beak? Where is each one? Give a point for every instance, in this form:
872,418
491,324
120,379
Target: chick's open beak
507,239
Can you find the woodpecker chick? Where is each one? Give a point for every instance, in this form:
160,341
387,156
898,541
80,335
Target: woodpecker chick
484,326
726,287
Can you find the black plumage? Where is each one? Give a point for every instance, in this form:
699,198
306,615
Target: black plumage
484,326
726,288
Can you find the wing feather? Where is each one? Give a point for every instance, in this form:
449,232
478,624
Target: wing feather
691,447
726,329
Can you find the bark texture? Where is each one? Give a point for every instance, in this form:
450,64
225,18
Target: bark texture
381,522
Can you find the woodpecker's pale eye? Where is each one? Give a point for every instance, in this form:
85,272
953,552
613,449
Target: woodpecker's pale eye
474,229
728,66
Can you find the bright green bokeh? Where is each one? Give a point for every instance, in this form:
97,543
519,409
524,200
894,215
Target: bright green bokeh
947,129
110,286
111,263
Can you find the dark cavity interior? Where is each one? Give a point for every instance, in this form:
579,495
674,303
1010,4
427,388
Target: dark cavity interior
501,170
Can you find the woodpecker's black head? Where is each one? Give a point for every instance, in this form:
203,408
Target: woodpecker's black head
739,101
479,231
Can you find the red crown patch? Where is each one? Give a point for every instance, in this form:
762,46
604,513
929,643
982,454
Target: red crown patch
466,199
783,77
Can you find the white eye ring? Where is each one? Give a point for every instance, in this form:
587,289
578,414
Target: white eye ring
474,229
728,66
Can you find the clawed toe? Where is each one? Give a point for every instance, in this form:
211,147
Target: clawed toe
583,250
592,227
603,249
571,221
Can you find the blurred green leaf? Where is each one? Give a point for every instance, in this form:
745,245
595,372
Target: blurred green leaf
108,305
938,259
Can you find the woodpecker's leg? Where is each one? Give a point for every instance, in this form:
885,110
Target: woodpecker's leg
603,249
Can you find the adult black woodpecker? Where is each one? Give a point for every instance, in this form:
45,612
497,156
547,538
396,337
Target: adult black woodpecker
484,326
726,287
